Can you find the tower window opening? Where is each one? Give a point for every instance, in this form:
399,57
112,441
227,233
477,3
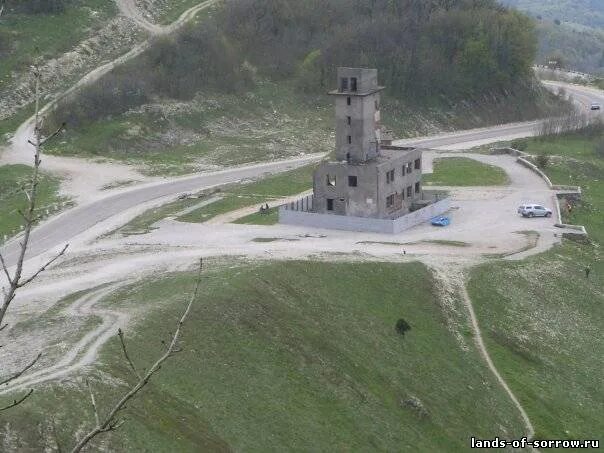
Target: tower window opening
349,100
349,119
331,180
352,181
350,139
353,84
344,84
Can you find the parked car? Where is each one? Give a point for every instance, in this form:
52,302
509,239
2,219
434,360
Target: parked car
534,210
441,221
596,106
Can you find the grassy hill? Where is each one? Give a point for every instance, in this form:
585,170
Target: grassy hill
542,317
572,30
584,12
296,356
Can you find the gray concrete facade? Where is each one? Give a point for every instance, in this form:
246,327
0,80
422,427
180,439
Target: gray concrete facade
370,177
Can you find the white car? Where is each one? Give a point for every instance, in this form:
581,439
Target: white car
534,210
596,106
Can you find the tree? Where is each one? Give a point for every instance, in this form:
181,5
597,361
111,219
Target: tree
16,280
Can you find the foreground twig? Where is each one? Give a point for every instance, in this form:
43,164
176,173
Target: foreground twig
16,280
111,422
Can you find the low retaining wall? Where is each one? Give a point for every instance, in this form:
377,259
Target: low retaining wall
340,222
568,193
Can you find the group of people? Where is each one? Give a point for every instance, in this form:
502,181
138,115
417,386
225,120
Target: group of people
264,208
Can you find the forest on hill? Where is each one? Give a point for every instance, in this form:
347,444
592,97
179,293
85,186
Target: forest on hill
425,51
570,31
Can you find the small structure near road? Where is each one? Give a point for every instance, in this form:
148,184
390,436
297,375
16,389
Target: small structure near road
372,185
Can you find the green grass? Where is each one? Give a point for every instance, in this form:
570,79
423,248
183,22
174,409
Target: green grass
269,122
285,357
48,35
543,322
270,218
463,171
12,199
260,192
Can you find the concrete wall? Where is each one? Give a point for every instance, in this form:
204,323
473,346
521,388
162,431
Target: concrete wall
348,223
368,198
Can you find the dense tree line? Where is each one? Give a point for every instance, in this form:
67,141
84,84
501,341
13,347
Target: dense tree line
457,49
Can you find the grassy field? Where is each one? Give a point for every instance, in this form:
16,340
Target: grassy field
269,218
242,195
12,199
285,357
272,121
543,318
462,171
48,35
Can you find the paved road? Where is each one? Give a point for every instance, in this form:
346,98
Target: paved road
69,224
78,220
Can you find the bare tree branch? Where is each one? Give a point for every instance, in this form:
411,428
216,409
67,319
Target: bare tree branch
15,281
95,410
120,334
17,402
14,376
43,268
110,422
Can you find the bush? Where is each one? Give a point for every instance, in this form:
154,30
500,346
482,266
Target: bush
520,145
402,326
542,161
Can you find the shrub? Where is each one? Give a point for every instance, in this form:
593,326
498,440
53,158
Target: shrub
402,326
520,145
542,161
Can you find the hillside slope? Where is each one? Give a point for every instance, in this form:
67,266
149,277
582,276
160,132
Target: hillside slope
289,356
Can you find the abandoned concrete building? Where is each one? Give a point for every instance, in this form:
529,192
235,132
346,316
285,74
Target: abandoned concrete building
372,185
370,177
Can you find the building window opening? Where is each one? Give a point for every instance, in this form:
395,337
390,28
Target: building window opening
344,84
391,175
390,201
331,180
404,170
347,157
409,192
350,139
417,187
409,168
418,164
330,204
352,181
349,100
349,120
353,84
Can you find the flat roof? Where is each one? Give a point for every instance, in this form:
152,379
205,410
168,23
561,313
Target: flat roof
356,93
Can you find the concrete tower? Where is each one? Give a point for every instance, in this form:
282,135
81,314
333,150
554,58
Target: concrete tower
357,115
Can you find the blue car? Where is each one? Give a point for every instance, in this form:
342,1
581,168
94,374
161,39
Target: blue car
441,221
